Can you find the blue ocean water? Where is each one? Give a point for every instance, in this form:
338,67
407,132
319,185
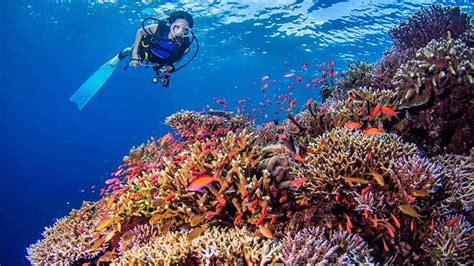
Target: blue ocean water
52,154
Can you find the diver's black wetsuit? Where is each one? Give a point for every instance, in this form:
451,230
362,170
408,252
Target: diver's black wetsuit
161,51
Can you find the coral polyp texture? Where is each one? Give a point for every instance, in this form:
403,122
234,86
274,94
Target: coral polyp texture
214,246
430,23
70,240
381,171
441,65
317,245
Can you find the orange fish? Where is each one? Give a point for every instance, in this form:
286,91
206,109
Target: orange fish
352,125
274,219
299,158
104,224
309,101
389,111
372,131
299,79
348,220
265,231
167,137
376,110
385,247
200,182
170,197
220,199
395,220
298,182
288,75
238,218
454,220
209,215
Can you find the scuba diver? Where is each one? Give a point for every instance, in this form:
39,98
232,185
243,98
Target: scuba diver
159,45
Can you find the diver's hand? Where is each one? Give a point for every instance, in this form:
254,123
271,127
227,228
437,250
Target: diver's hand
135,62
166,69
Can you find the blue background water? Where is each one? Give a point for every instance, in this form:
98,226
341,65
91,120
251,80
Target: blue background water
51,153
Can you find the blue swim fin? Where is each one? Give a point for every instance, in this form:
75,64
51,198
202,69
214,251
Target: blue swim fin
92,85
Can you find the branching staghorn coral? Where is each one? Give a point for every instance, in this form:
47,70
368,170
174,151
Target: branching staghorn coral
458,184
356,76
233,191
377,186
381,74
442,65
266,134
139,235
430,23
214,246
193,125
357,106
381,188
317,245
451,242
344,153
70,239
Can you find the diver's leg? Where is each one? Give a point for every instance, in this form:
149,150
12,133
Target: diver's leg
125,53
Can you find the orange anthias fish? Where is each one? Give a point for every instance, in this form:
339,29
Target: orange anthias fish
265,231
389,111
372,131
454,220
201,182
299,158
167,137
298,182
352,125
376,110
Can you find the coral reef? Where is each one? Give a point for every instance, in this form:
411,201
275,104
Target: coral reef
441,65
316,245
194,125
430,23
341,182
215,246
356,76
266,134
452,241
437,87
71,238
381,74
458,183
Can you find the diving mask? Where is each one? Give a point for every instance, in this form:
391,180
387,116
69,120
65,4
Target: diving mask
181,30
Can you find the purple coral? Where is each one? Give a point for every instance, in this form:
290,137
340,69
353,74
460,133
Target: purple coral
430,23
316,245
381,74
